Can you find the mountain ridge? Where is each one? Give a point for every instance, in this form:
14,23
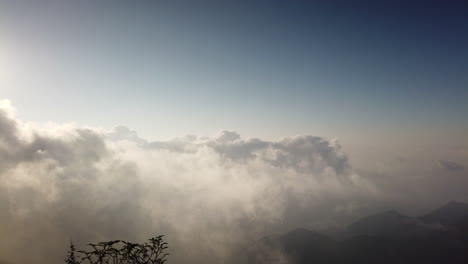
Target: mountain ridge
386,237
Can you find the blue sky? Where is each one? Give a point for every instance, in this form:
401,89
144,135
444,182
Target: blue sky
371,71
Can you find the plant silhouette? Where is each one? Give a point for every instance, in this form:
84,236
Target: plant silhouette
120,252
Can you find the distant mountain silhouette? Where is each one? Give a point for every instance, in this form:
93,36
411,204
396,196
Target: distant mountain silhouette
306,246
453,214
386,223
440,236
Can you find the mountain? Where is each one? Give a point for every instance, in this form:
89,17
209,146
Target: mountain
453,214
305,246
388,237
386,223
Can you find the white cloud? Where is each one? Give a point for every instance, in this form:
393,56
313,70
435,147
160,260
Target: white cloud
207,194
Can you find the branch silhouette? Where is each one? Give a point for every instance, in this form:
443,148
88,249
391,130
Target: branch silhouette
120,252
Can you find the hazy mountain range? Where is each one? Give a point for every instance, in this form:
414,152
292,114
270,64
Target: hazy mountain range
440,236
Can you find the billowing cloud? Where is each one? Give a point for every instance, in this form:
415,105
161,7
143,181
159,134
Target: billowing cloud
121,133
208,195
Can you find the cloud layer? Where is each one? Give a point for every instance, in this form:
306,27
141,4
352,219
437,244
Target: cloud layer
208,195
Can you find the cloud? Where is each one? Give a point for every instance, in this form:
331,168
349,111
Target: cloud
120,133
450,166
209,195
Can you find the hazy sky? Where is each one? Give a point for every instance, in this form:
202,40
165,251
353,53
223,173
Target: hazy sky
263,86
367,71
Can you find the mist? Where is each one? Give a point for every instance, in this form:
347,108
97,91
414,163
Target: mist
210,196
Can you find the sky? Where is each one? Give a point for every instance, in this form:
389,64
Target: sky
372,69
222,121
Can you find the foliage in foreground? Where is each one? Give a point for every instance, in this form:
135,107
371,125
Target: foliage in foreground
120,252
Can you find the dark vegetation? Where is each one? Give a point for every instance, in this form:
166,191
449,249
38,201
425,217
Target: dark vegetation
120,252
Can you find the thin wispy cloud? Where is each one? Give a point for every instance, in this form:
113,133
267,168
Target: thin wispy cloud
450,165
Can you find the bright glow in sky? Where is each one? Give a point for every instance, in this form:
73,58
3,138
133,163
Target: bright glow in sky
215,122
268,71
